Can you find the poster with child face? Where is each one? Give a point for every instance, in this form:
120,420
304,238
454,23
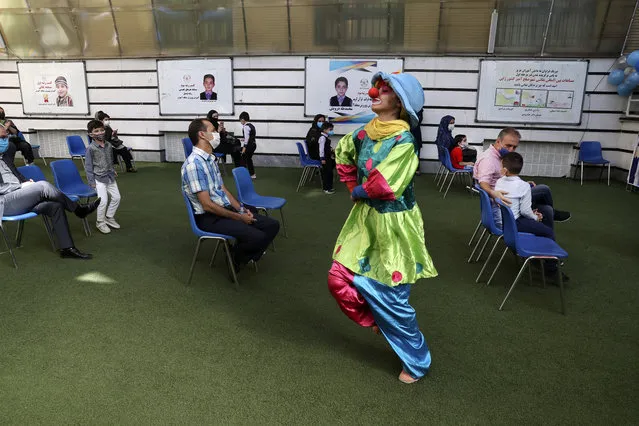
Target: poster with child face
195,86
338,88
57,88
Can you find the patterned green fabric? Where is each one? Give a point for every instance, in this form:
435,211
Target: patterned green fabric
384,240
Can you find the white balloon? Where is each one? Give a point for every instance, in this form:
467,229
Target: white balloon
621,63
628,70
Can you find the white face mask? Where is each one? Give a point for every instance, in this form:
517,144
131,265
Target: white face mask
107,122
215,142
451,127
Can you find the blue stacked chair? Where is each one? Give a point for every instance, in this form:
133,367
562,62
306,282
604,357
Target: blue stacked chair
309,166
452,172
590,153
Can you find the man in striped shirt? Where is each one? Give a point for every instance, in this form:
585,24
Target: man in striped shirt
216,209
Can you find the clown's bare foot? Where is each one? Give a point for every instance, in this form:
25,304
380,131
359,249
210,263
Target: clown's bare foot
404,377
376,329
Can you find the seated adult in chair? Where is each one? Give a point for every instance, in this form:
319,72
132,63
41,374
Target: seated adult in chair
18,196
15,137
488,169
216,209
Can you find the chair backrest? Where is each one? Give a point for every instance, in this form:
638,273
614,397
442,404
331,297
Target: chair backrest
509,226
487,218
32,172
589,149
446,160
76,146
189,210
300,150
188,147
65,174
243,183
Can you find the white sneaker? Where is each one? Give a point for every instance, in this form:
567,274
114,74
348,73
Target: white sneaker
253,177
102,227
112,223
329,191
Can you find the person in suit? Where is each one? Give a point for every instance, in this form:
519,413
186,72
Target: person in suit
209,84
341,86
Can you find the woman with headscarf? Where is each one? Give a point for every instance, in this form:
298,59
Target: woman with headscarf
445,132
313,135
380,251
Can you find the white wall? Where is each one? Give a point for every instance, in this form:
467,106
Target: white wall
271,89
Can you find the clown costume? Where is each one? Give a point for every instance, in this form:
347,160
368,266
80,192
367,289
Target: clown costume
380,251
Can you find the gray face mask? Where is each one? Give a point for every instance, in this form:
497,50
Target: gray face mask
99,137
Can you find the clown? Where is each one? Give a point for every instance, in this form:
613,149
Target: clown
381,251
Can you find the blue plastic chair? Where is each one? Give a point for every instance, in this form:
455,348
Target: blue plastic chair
246,194
451,171
34,173
34,147
309,166
76,146
590,153
187,146
528,247
68,180
20,219
490,227
226,240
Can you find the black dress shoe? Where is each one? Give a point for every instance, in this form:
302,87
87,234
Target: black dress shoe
561,216
83,210
74,253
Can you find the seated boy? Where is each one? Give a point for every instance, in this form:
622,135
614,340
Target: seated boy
520,194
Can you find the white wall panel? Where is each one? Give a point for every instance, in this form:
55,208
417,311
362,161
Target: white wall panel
455,99
268,78
442,63
8,66
127,111
123,95
123,79
269,96
9,80
12,95
447,80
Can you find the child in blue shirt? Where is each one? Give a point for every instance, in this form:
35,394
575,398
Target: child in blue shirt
327,157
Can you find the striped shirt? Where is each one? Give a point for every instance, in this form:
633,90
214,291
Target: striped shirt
200,173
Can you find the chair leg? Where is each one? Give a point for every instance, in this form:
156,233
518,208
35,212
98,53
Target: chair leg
299,184
490,255
483,247
582,173
481,236
197,250
514,283
443,181
86,226
561,288
47,226
19,233
543,273
283,223
6,241
449,184
608,174
229,259
497,267
474,234
217,245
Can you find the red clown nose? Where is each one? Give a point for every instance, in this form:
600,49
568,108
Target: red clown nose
373,92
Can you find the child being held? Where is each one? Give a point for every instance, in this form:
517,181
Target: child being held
528,220
101,176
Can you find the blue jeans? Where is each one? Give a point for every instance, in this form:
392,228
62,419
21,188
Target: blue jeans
542,201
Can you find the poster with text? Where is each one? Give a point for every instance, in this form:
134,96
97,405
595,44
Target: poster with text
53,88
633,174
531,91
338,88
195,86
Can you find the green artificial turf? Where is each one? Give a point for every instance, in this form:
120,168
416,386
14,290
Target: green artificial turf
122,340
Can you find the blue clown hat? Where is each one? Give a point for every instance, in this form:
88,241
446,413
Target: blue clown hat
408,90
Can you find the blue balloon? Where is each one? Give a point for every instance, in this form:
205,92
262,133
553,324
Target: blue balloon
624,89
616,77
633,79
633,58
